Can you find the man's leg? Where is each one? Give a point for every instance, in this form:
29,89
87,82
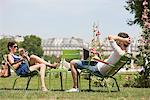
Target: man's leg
74,73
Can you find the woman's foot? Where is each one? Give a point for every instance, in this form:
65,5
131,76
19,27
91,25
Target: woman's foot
44,89
53,65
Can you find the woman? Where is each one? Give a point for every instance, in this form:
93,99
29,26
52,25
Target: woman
22,68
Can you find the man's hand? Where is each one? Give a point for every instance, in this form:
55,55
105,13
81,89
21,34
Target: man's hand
115,37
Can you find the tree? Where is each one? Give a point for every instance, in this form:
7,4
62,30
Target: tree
136,7
32,44
141,9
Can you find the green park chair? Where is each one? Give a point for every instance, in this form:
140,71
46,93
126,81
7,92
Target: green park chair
66,55
28,75
110,73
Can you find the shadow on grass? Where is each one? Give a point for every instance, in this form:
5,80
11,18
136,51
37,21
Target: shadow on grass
87,90
19,89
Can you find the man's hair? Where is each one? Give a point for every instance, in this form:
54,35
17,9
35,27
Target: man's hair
123,35
10,44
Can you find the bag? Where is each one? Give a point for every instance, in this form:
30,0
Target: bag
5,70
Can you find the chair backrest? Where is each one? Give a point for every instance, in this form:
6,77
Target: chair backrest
9,65
123,60
71,54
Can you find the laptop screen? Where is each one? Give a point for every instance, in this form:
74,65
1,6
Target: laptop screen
85,54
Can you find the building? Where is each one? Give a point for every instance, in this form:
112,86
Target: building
54,46
17,38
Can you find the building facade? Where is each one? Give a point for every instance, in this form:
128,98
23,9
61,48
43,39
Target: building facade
54,46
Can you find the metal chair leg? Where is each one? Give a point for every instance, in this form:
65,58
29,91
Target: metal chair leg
61,81
116,83
89,81
49,80
15,83
29,78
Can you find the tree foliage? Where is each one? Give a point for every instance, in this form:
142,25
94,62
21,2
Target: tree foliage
32,44
141,9
135,7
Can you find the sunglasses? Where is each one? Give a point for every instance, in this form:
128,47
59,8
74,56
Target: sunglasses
15,46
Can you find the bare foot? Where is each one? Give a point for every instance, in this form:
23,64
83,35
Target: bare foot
44,89
53,65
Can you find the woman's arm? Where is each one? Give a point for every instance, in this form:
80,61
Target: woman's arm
14,64
26,57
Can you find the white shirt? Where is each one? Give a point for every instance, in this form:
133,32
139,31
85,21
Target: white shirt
112,59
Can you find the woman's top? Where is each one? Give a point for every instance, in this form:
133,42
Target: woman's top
23,67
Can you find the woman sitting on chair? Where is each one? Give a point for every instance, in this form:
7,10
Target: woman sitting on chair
119,45
22,68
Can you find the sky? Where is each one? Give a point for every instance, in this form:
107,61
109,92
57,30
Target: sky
65,18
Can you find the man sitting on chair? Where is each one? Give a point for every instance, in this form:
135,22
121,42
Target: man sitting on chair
119,43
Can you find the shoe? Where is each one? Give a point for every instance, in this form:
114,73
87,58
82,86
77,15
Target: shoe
73,90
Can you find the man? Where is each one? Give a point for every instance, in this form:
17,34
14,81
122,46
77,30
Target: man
119,44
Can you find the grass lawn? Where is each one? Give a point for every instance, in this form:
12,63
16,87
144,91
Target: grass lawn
6,93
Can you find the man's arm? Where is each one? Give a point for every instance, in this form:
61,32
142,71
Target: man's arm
113,44
115,37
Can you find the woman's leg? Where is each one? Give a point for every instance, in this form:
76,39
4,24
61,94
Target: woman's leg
42,74
35,59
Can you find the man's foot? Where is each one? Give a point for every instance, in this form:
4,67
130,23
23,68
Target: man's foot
73,90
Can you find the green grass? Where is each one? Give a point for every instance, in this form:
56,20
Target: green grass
6,93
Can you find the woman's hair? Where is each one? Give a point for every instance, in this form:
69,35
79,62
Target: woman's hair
123,35
10,44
